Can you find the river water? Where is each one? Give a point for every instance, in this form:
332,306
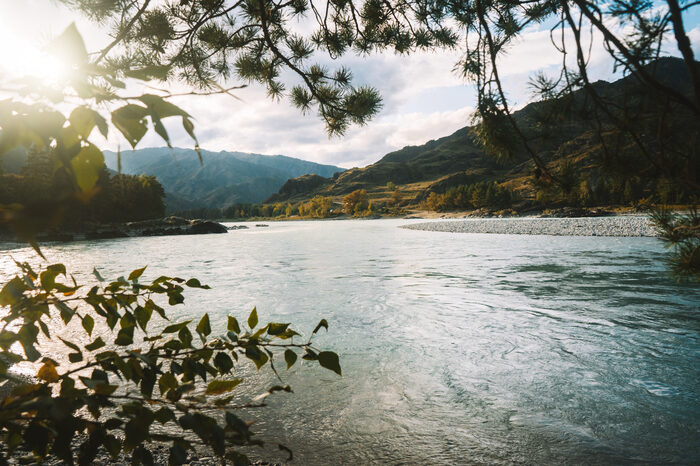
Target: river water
455,348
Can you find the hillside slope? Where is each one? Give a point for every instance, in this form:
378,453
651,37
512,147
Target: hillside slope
458,159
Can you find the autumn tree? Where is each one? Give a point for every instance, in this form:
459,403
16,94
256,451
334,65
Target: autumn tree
355,202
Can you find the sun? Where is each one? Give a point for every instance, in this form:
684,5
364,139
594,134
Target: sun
20,58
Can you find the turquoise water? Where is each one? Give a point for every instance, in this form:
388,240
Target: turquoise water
455,348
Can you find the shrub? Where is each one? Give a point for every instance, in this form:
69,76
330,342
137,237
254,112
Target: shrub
356,202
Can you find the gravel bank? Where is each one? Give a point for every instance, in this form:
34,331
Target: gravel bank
589,226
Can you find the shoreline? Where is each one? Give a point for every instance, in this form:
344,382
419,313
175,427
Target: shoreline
168,226
616,226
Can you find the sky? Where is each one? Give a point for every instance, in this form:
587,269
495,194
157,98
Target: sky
423,98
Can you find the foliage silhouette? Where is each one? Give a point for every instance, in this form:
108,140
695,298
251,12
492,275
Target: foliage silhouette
129,371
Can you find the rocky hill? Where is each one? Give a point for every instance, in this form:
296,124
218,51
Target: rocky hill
458,158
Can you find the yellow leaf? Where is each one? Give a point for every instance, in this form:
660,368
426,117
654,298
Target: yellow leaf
48,372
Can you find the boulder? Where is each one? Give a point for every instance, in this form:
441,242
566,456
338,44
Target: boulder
198,227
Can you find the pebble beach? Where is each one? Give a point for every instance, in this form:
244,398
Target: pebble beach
587,226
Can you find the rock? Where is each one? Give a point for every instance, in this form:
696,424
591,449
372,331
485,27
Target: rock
237,227
198,227
171,226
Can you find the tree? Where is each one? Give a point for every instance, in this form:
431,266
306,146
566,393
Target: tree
182,381
356,202
681,233
396,198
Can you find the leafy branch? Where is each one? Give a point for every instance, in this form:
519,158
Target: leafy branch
183,383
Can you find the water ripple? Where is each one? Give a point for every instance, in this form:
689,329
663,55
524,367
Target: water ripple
455,349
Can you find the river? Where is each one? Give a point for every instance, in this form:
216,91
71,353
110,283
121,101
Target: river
455,348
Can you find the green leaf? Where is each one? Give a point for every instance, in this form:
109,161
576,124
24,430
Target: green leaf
257,356
233,325
276,329
88,324
185,336
253,318
83,119
143,316
87,166
161,107
151,306
323,323
67,312
194,283
259,332
136,274
217,387
125,337
130,121
48,276
7,338
167,382
174,328
164,415
223,362
287,334
203,327
136,432
189,127
178,453
113,445
97,344
290,357
329,360
27,337
12,291
160,129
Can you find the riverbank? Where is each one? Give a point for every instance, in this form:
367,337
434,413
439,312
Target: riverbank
168,226
585,226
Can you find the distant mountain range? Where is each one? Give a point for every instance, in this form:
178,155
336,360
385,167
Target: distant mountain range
458,159
223,179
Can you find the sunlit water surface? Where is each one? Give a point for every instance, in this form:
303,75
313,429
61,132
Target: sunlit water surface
455,348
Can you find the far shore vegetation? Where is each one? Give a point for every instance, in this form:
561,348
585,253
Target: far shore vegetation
482,197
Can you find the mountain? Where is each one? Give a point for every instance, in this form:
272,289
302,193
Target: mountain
222,179
458,159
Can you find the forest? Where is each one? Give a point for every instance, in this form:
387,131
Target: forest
115,198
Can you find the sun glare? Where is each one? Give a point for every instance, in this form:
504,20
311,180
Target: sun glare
19,57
